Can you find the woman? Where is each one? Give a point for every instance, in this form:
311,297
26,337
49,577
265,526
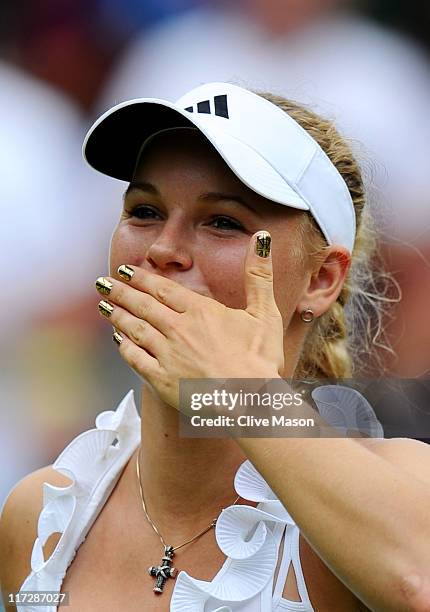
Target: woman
220,183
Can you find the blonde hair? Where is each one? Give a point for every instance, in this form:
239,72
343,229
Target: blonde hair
350,333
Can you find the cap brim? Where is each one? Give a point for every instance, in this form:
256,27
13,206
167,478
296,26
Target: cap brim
113,143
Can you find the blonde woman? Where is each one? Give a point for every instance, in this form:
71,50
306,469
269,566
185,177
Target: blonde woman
234,257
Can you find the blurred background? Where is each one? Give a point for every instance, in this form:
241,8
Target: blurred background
63,62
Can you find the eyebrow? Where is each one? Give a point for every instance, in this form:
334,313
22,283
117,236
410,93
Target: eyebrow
142,186
209,196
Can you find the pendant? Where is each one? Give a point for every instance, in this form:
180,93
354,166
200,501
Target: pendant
163,571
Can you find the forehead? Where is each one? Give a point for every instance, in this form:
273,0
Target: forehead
185,158
185,161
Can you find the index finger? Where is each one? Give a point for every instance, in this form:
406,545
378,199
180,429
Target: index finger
165,290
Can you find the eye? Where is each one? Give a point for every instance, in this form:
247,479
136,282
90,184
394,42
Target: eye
227,223
142,212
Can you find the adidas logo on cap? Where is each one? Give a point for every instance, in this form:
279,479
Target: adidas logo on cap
219,104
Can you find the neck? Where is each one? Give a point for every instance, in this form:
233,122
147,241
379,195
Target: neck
185,481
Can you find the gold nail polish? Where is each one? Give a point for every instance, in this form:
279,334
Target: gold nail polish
103,285
116,337
262,244
125,272
105,308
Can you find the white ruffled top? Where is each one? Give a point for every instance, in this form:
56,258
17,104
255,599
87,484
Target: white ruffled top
249,536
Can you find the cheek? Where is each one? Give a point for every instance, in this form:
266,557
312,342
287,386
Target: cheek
223,273
124,248
288,286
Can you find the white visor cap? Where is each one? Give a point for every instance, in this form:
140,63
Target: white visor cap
265,147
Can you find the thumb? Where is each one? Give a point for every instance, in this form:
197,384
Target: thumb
260,297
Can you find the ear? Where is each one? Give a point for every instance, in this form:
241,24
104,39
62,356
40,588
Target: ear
325,281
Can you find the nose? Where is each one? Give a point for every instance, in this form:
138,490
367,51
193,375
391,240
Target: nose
171,249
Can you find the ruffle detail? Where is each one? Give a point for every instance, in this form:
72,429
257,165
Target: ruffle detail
345,408
93,460
245,535
89,461
249,484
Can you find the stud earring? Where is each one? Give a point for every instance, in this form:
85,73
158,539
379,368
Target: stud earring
307,315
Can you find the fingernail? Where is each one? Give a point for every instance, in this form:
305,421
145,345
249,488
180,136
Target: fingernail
103,285
105,308
262,244
116,337
125,272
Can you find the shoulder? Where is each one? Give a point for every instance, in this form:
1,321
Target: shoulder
18,526
411,455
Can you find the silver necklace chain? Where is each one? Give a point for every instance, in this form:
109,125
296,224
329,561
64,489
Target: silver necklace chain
173,548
